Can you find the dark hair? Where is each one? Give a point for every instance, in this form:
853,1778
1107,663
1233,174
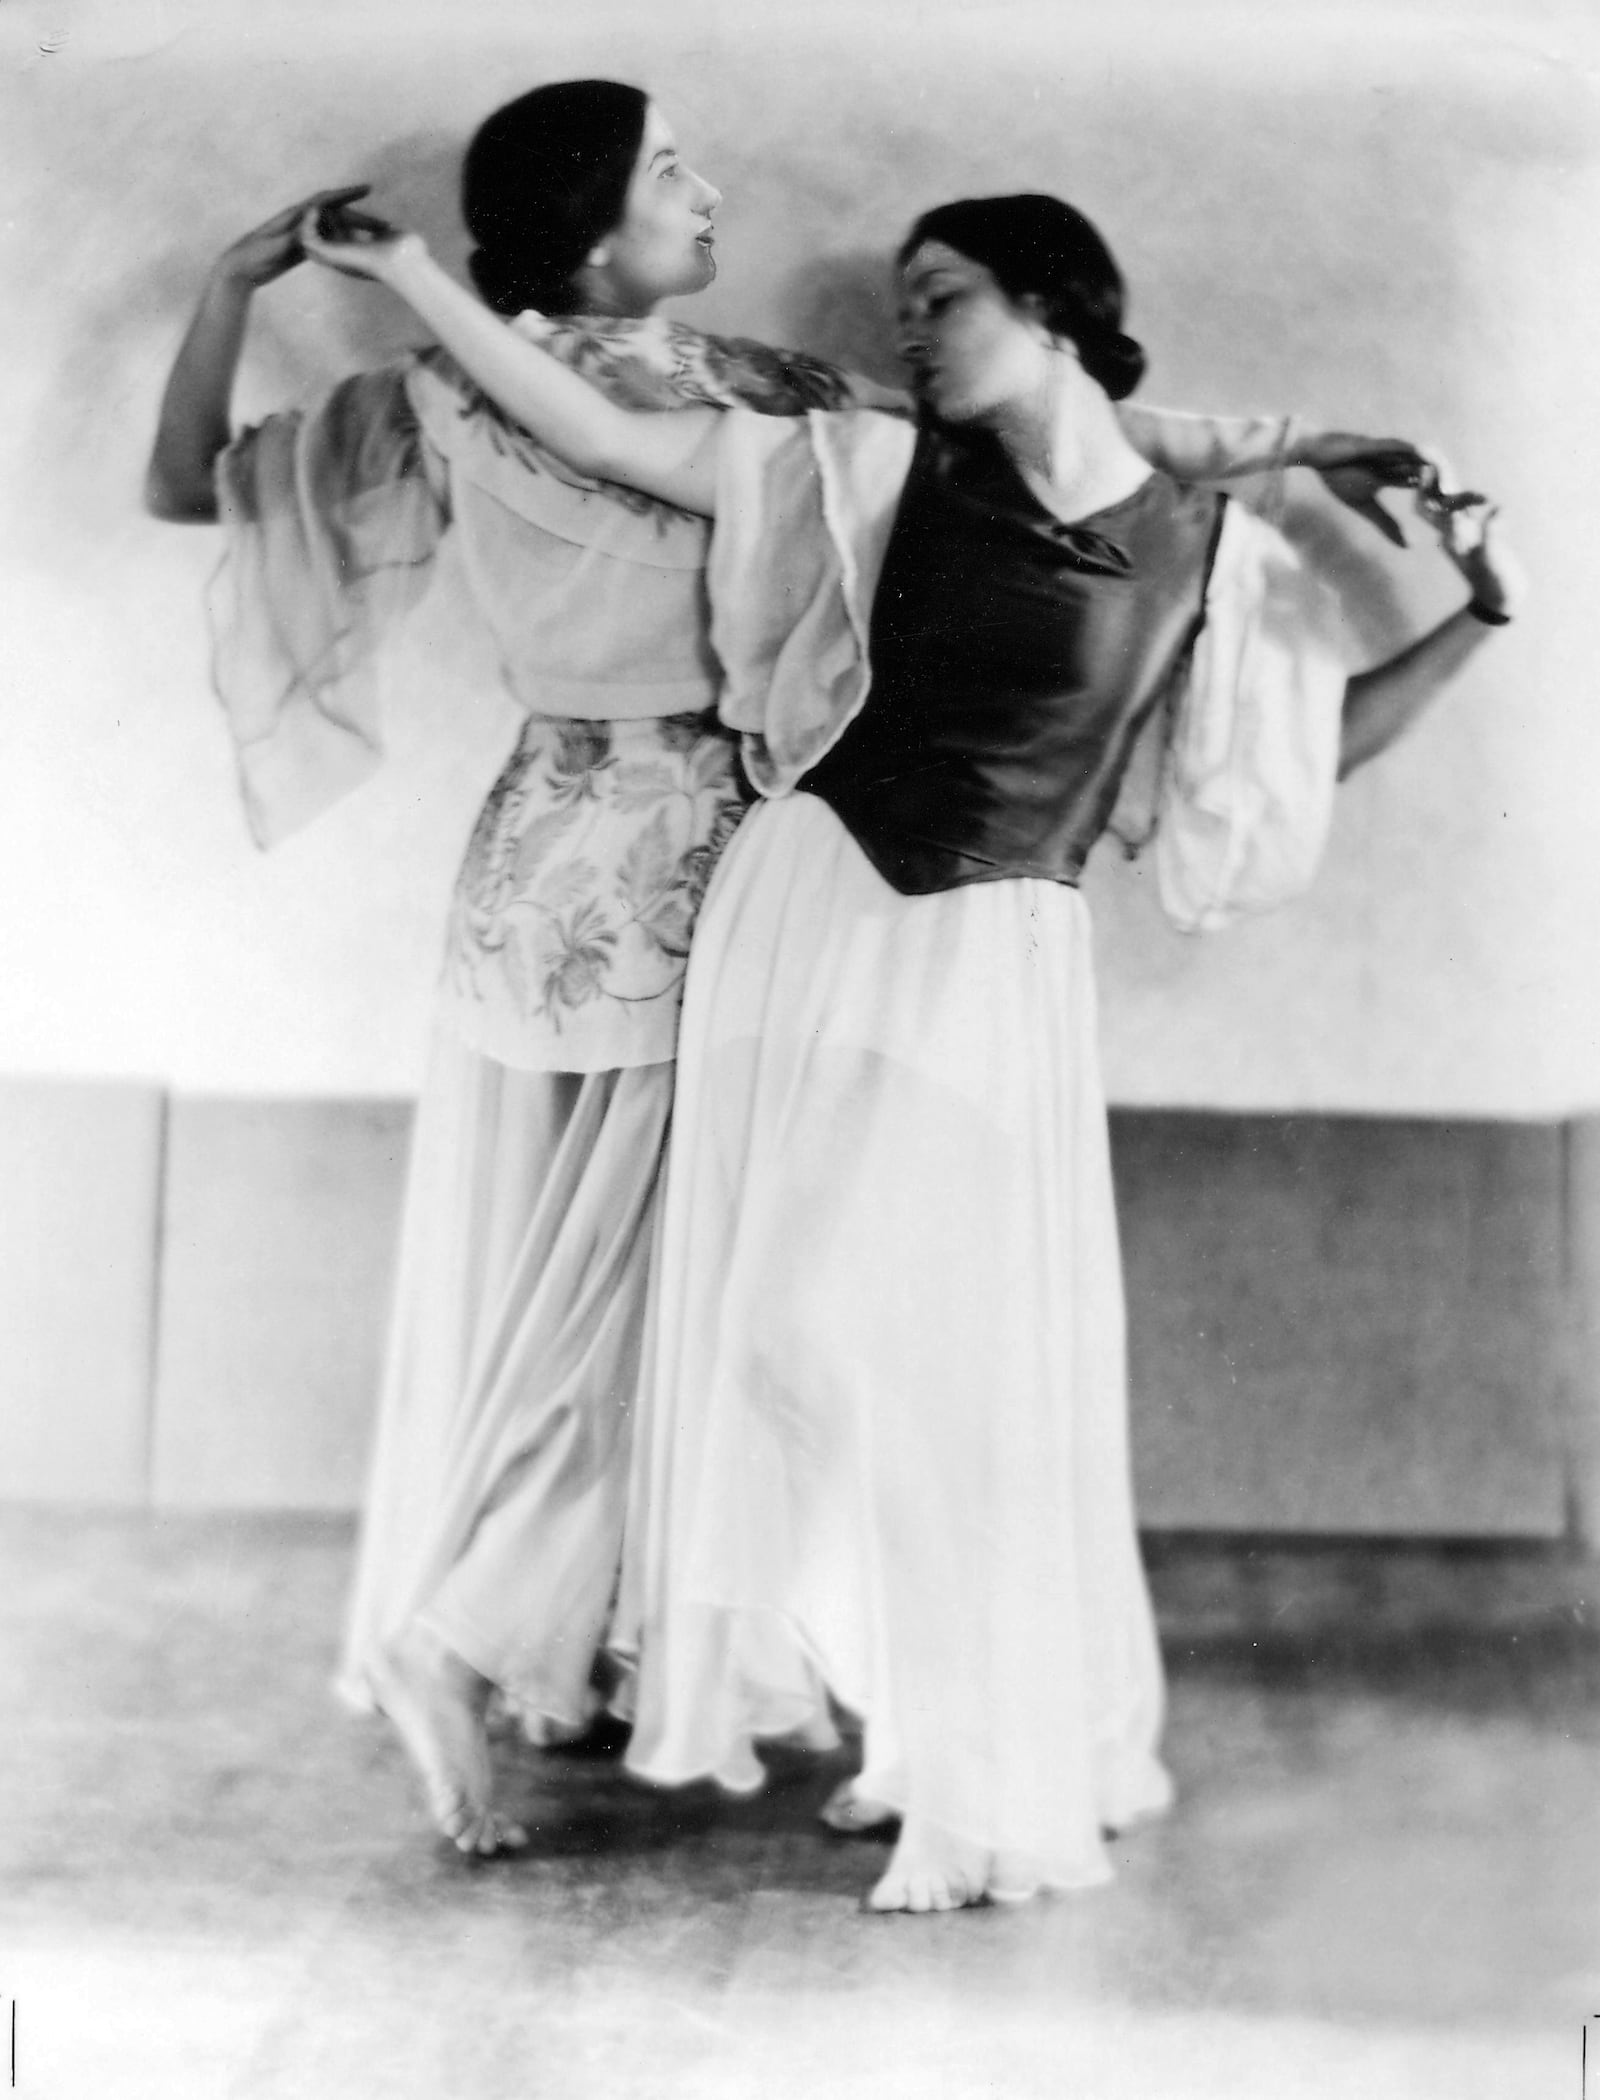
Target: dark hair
1038,246
543,180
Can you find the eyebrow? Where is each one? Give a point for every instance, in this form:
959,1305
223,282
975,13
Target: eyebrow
663,153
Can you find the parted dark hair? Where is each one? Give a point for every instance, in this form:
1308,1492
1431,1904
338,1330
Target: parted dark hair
544,178
1037,245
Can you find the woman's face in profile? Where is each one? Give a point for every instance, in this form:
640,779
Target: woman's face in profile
661,247
971,349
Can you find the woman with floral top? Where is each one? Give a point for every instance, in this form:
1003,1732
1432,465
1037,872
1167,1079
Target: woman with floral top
491,1542
881,1455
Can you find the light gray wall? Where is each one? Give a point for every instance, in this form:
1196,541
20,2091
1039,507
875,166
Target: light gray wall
1382,212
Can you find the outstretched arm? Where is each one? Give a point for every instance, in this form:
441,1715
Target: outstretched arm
668,455
1194,447
1382,703
194,425
1354,469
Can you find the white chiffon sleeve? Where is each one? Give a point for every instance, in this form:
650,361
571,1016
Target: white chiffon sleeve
1251,768
804,512
1193,447
332,518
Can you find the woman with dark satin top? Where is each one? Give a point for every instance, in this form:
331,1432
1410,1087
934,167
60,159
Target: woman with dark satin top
881,1461
494,1532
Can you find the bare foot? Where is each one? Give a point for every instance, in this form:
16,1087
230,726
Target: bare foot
437,1702
930,1870
856,1815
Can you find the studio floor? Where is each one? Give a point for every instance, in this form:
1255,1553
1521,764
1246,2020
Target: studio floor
1381,1878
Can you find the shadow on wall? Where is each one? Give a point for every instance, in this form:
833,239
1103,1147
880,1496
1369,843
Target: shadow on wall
303,329
416,179
334,326
842,307
1372,605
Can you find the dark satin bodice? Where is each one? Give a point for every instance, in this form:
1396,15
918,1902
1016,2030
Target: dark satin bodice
1015,660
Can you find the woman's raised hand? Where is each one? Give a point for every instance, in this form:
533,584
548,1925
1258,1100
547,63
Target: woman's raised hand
1474,540
1357,470
275,246
354,243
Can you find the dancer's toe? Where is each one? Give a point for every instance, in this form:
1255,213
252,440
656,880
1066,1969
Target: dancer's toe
479,1838
479,1833
921,1893
454,1818
931,1871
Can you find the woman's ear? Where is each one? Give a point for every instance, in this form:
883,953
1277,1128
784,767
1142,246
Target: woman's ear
1037,309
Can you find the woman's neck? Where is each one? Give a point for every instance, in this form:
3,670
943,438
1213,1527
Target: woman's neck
1068,445
615,309
595,293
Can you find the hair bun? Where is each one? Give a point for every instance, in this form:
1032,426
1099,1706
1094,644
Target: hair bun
500,283
1115,361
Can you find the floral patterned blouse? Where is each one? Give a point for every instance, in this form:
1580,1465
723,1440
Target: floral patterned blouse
570,923
569,926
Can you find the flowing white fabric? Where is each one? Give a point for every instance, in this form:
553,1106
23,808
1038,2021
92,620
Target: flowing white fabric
882,1451
496,1498
1253,759
499,1479
883,1446
1214,448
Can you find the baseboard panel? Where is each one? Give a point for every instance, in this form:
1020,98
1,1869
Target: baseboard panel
1345,1324
80,1167
1338,1325
280,1230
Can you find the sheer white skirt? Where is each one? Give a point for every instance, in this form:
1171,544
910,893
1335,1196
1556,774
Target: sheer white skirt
882,1449
500,1473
